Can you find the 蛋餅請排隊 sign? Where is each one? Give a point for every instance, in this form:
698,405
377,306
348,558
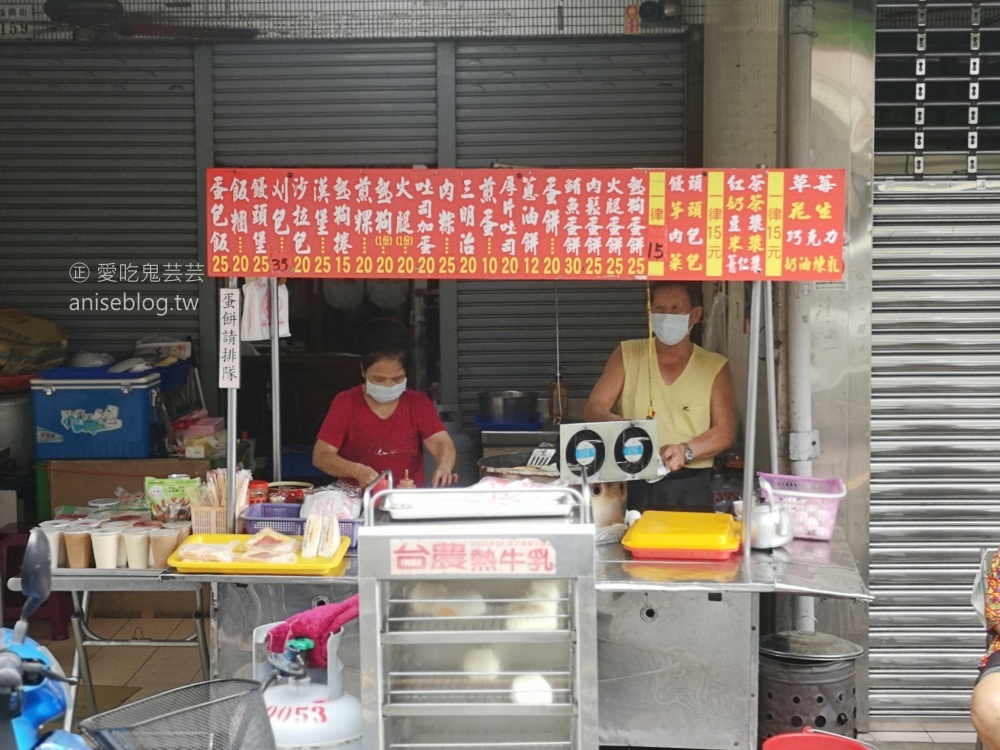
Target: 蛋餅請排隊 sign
583,224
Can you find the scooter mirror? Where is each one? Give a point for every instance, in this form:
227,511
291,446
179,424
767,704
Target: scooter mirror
36,579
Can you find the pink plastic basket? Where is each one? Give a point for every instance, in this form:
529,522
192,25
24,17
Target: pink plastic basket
812,502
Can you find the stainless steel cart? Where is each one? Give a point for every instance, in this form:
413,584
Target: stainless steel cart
478,634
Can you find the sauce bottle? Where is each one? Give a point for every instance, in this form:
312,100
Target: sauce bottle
406,483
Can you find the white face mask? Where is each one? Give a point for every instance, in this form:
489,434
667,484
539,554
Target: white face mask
670,328
385,393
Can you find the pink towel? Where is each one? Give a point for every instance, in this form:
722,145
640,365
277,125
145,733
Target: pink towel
317,624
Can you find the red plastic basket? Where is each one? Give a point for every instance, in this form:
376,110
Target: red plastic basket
16,383
812,502
812,739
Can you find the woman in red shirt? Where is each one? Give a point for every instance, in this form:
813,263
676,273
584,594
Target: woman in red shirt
381,425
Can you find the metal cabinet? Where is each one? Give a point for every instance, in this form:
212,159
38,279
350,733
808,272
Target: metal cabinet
478,634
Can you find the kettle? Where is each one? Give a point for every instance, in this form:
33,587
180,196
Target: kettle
770,525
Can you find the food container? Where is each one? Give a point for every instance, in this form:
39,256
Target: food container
519,407
287,492
257,491
679,535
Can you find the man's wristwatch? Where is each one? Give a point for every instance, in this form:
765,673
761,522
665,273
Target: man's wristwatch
688,454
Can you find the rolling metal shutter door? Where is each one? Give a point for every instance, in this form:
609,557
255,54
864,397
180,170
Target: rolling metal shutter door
935,440
98,165
598,103
325,104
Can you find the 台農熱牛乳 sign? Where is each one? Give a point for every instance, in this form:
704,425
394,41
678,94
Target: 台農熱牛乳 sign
585,224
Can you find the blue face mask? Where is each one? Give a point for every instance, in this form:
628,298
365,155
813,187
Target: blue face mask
670,328
384,393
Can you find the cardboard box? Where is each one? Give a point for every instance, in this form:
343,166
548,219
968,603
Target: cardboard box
79,482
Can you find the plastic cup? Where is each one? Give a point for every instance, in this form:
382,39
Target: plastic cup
78,546
121,526
183,530
105,542
54,531
136,540
162,542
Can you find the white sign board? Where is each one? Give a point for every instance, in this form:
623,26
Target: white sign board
499,557
229,338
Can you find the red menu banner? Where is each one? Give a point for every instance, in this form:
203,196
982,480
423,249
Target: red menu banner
582,224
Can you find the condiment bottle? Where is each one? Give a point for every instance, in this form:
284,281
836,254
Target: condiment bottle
257,492
558,399
406,483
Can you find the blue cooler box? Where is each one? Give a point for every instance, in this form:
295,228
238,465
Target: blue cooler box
111,416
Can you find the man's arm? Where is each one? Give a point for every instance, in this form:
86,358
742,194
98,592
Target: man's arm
606,390
721,431
327,458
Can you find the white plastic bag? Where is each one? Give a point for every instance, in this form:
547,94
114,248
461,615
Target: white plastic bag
256,322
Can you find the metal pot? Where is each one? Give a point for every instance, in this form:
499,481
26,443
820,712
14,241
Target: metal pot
17,438
508,407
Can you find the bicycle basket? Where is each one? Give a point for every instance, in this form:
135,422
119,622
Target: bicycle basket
213,715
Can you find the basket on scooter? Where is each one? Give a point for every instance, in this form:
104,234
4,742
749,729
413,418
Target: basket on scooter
213,715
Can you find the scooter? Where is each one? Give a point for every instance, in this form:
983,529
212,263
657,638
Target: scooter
32,684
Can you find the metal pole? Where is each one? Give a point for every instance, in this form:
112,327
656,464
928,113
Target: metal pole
772,387
800,43
231,446
750,429
272,288
800,423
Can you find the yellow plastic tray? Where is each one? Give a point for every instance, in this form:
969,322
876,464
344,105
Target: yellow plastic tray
665,534
316,566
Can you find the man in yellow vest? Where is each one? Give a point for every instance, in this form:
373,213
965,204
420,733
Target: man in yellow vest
689,391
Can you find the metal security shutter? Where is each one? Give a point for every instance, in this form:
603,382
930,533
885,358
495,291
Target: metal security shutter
935,491
325,104
607,102
98,167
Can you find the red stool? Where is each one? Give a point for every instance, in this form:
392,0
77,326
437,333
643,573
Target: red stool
56,609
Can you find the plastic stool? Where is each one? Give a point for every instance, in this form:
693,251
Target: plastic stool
56,609
813,739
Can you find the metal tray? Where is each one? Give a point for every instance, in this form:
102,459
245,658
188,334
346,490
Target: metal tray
455,504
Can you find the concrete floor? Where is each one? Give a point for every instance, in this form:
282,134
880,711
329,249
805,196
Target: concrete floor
125,674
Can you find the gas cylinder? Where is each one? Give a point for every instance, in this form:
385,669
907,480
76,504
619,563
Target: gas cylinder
309,715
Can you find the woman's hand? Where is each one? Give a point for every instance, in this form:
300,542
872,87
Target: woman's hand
443,477
365,475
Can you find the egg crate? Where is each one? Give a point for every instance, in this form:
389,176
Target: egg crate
608,451
812,502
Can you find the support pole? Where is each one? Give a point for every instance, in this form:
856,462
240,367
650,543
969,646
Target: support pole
772,386
272,288
800,422
750,429
231,446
